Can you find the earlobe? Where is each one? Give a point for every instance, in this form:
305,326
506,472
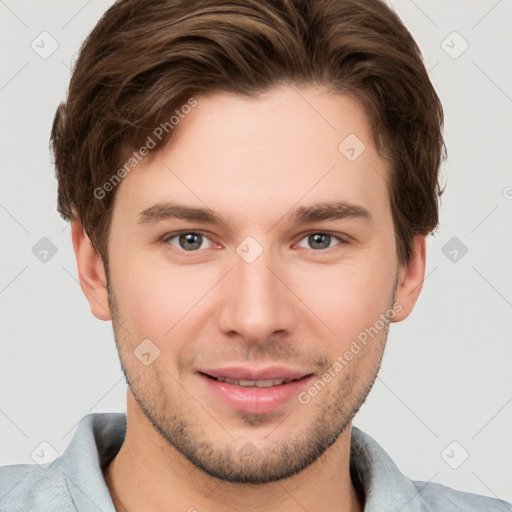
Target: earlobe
410,280
91,272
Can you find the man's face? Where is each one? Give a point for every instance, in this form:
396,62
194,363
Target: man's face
235,310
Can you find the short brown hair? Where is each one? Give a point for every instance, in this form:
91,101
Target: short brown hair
146,58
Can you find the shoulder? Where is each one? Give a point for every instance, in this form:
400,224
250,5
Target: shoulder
26,487
383,483
441,497
73,481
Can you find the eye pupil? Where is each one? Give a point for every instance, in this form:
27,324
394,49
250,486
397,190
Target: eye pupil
323,240
190,241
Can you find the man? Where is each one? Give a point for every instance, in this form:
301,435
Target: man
250,185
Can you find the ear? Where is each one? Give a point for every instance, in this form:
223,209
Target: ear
91,272
410,280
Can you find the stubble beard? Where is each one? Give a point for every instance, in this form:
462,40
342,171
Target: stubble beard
249,464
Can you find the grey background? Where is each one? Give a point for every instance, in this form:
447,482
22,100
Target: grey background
446,372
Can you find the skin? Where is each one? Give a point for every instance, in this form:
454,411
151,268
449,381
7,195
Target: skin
299,305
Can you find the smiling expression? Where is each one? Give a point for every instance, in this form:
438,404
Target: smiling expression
251,251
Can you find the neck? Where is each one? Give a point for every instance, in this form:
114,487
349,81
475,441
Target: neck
149,474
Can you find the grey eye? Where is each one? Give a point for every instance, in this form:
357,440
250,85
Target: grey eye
188,241
319,241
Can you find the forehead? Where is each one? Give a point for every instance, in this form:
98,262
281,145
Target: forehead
288,146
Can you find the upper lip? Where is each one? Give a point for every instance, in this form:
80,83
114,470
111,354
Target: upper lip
253,374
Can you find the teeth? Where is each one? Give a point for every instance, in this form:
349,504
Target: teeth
268,383
254,383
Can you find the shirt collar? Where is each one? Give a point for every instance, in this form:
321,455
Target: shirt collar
96,442
384,486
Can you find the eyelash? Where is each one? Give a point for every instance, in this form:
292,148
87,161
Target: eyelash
166,239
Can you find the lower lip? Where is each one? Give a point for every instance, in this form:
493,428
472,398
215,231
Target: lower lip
256,400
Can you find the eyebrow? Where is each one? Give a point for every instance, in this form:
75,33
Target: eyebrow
329,211
303,215
164,211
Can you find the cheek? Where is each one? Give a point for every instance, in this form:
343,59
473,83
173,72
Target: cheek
154,296
348,297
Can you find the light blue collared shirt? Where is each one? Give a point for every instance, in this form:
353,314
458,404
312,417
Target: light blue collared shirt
74,481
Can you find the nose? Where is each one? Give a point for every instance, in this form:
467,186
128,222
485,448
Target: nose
256,303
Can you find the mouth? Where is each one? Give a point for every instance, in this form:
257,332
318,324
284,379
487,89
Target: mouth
255,391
